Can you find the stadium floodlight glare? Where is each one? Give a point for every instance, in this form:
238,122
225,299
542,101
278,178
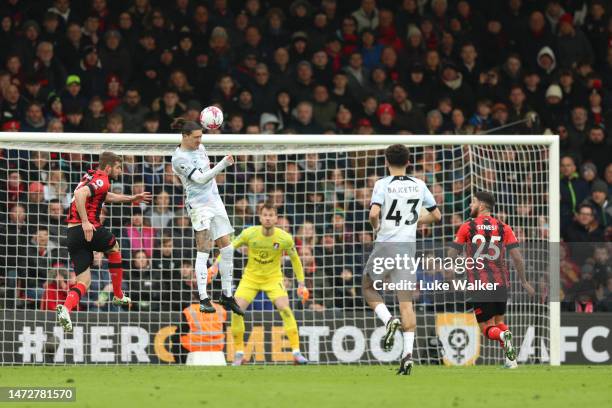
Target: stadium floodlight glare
472,161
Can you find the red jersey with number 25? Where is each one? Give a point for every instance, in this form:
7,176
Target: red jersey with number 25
98,184
487,238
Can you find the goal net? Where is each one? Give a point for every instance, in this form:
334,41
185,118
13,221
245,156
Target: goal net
321,186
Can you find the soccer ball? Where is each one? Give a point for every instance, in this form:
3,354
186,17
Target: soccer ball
211,118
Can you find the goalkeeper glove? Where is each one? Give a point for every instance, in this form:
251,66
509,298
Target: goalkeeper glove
303,292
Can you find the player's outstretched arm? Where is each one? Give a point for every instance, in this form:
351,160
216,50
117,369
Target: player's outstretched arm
203,177
519,264
124,198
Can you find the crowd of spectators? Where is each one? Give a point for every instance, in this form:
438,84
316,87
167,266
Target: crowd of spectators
318,66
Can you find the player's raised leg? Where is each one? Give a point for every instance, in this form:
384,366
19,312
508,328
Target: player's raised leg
81,258
408,329
376,303
289,324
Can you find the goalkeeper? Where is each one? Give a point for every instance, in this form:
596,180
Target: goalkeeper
266,245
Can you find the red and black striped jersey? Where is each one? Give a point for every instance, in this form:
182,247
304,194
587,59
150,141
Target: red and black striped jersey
487,238
98,184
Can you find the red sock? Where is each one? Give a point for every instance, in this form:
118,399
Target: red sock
502,326
115,267
492,332
74,296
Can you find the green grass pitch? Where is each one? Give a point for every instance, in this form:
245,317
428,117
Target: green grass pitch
319,386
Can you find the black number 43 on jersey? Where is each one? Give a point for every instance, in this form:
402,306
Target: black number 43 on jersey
396,215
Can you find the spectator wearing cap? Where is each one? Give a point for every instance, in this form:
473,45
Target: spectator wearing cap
386,116
573,45
49,71
553,112
364,127
34,120
72,95
115,58
597,149
93,78
573,190
299,49
499,118
600,203
132,111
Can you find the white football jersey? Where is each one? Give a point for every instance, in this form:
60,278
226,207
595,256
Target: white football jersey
400,199
184,164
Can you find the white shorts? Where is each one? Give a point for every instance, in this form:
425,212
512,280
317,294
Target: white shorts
211,217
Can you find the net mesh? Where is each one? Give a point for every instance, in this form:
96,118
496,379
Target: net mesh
322,194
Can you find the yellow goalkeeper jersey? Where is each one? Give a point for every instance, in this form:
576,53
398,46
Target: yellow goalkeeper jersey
266,253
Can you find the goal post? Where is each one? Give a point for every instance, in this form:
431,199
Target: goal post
458,165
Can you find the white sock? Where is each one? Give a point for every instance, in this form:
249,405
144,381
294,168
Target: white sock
408,343
383,313
201,270
226,269
296,352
